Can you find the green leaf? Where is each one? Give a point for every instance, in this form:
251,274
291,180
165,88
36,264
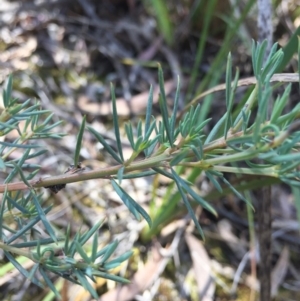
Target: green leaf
109,251
82,253
214,181
163,106
35,243
197,198
117,261
264,94
138,143
24,114
116,122
164,20
94,247
86,236
43,217
129,133
33,271
299,59
215,129
228,81
139,174
120,174
34,121
259,59
149,130
20,164
178,158
289,49
198,153
230,95
179,182
210,10
139,128
67,239
84,282
79,142
239,195
280,104
106,146
2,209
149,111
103,250
274,62
49,282
12,203
23,271
17,167
72,248
285,158
7,92
111,277
26,146
133,206
175,109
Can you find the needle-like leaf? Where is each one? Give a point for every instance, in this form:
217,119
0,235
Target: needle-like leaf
79,141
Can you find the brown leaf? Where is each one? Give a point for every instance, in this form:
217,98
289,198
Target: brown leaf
202,268
142,279
279,270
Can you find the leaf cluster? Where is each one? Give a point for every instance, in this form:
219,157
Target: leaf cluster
252,140
20,212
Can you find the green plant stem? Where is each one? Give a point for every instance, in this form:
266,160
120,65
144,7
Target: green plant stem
108,172
15,250
160,160
269,172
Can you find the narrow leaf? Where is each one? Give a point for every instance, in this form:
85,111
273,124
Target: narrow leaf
94,247
79,141
228,80
106,146
120,174
186,202
109,251
178,158
117,261
23,271
163,106
299,59
215,129
20,164
49,283
197,198
149,111
82,253
116,122
239,195
214,181
16,145
7,92
17,167
85,237
2,208
133,206
43,217
84,282
175,109
111,277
